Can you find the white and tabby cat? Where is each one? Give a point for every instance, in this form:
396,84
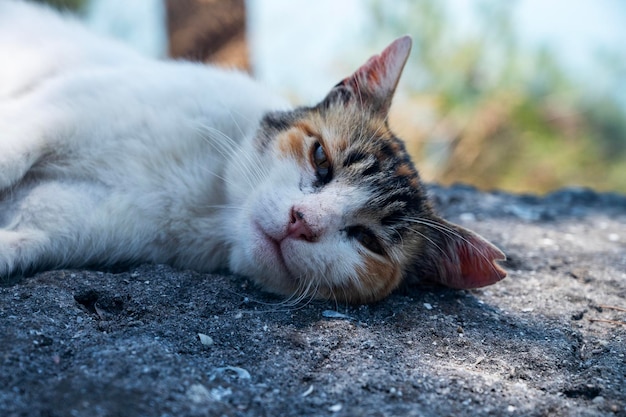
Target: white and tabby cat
107,157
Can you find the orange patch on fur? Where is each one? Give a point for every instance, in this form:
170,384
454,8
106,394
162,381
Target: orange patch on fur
378,279
405,170
292,144
306,128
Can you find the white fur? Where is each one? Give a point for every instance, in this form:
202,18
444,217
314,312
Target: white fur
122,146
107,156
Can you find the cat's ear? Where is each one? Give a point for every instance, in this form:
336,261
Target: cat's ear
461,259
374,83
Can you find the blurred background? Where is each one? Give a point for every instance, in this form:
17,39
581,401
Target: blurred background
519,95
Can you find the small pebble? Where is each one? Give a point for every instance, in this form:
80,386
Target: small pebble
467,217
206,340
240,372
335,408
219,393
198,394
428,306
332,314
307,392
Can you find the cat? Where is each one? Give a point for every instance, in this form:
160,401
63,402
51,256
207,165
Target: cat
108,157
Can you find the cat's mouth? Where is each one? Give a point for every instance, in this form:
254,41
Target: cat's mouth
270,247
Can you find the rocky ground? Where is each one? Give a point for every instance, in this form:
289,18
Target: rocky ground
547,341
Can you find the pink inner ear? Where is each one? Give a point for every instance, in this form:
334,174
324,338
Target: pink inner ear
471,263
478,263
381,73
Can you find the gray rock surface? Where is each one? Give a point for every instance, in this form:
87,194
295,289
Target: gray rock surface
547,341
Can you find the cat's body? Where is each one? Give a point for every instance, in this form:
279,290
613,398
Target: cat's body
116,145
107,157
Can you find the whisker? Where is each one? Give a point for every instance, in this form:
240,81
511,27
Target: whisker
220,177
452,232
224,207
443,252
227,149
233,151
296,301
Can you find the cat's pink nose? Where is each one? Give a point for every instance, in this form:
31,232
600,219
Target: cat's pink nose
298,228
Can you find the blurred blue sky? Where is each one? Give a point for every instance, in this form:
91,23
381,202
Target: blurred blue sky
321,41
302,48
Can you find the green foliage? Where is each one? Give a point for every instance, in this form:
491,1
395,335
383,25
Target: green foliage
74,5
505,116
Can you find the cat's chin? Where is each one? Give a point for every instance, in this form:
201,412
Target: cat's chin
264,262
268,249
271,264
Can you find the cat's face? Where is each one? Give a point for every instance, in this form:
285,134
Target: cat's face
339,211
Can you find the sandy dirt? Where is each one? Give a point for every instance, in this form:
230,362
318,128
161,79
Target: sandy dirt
152,341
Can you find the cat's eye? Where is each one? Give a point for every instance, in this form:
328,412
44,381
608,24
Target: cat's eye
366,238
321,163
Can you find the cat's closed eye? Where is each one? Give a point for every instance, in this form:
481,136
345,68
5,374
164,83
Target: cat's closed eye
366,238
321,163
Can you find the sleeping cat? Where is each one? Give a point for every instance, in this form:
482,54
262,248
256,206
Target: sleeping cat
107,157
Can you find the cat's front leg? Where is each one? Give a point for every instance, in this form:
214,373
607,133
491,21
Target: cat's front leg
20,251
47,225
18,153
14,164
22,142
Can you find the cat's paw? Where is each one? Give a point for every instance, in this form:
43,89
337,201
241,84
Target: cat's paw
19,251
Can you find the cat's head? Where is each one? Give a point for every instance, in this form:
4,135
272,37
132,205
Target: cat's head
337,209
